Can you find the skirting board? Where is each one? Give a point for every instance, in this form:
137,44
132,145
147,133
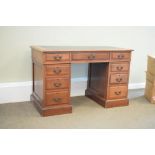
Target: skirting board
20,91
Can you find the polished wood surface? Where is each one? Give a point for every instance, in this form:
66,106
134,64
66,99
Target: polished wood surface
108,76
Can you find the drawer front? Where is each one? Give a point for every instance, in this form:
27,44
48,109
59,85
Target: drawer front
120,55
118,92
57,57
57,70
56,98
119,67
118,78
90,56
57,83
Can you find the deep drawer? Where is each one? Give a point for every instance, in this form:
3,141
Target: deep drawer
57,57
55,98
117,92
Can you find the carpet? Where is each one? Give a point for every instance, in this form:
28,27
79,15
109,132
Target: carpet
87,114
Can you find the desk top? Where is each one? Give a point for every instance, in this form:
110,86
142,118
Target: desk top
78,48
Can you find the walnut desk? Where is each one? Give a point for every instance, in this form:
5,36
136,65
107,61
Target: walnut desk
108,76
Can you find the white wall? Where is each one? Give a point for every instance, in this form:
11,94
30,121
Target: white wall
15,54
15,64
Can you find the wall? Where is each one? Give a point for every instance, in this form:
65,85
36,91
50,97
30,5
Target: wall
15,64
15,54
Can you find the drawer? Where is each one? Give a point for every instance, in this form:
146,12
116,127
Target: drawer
57,70
119,67
57,57
118,78
91,56
55,98
57,83
120,55
117,92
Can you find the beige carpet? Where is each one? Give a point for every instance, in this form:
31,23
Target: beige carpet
86,114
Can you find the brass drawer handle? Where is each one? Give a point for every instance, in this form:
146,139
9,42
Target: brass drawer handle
57,70
118,92
91,57
119,68
57,58
119,79
57,99
121,56
57,84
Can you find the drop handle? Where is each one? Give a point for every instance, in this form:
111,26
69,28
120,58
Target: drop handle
118,92
91,57
57,84
57,57
119,68
119,79
57,99
57,70
121,56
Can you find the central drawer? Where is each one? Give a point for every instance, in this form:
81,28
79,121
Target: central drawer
57,83
56,98
90,56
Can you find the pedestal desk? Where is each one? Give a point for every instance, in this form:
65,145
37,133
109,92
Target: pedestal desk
108,76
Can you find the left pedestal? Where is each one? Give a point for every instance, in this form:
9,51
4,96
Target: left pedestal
51,85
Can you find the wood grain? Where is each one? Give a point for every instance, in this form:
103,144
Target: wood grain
108,75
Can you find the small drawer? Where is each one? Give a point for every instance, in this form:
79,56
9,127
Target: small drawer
57,57
57,83
57,70
117,92
55,98
90,56
118,78
119,67
120,55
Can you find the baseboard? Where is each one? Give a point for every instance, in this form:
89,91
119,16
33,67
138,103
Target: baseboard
15,92
20,91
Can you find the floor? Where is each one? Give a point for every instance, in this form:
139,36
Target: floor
86,114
